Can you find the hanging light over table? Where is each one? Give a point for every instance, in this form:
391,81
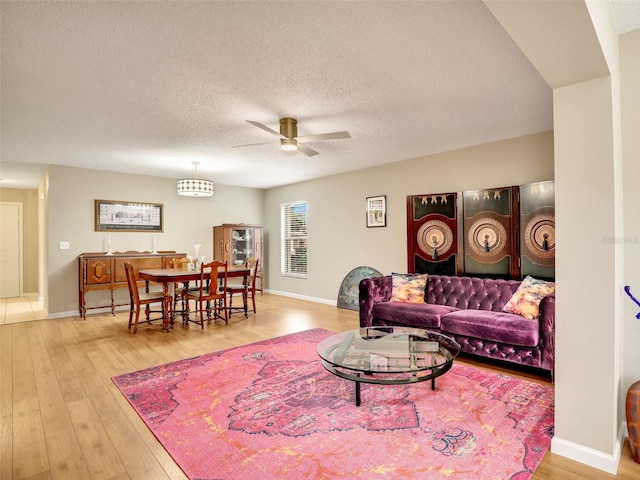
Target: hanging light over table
195,187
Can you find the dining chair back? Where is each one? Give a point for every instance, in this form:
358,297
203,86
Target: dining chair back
247,289
210,292
138,299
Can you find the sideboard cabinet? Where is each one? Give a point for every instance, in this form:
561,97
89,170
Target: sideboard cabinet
99,271
234,243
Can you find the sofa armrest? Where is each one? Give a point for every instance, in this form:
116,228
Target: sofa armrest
372,291
547,321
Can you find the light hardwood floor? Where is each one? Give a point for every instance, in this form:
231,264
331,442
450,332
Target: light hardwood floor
61,416
21,309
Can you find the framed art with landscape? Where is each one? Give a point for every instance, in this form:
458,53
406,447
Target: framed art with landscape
111,215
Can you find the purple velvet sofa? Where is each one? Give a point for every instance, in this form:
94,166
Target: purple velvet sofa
469,310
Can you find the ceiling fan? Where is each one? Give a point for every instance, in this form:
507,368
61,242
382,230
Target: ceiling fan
289,139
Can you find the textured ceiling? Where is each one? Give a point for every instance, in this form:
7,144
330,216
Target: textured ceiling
149,87
626,15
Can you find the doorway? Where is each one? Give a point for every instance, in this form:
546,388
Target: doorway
10,249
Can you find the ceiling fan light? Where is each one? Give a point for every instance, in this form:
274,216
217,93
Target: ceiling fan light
195,187
288,144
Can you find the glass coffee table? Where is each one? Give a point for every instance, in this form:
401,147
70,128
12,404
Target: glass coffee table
388,355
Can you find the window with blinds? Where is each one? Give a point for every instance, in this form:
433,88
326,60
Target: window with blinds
294,239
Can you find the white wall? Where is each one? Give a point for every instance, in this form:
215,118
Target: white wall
187,221
630,80
575,47
589,158
338,237
43,241
585,266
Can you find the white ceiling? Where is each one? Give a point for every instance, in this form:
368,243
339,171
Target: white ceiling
149,87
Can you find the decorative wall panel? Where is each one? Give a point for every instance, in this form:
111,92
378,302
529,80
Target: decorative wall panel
538,230
432,232
506,232
490,220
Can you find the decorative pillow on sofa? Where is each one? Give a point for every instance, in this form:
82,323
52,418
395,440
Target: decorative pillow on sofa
408,287
526,300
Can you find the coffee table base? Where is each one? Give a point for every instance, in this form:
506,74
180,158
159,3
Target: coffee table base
358,395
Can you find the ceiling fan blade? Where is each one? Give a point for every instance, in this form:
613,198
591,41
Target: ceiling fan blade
309,152
325,136
266,129
253,144
288,132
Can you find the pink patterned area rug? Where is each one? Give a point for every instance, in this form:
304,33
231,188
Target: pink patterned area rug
269,410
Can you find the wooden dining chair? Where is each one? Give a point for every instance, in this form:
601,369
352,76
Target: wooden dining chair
138,299
211,291
247,289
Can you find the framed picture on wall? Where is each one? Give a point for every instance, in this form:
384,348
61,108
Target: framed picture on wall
111,215
377,211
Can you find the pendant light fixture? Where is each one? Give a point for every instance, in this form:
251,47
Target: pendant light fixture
195,187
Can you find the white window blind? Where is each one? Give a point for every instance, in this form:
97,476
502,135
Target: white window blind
294,239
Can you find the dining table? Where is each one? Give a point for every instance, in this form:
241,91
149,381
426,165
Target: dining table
168,277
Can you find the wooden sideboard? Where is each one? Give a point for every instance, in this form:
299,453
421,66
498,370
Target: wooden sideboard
99,271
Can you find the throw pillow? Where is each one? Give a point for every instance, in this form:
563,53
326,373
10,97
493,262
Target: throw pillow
408,288
526,300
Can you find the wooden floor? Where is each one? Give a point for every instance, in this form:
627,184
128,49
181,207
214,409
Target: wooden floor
21,309
62,417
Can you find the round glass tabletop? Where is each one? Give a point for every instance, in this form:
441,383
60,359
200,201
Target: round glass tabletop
390,355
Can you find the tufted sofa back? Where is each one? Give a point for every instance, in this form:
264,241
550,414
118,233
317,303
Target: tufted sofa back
469,292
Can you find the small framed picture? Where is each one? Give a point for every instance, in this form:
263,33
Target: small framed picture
377,211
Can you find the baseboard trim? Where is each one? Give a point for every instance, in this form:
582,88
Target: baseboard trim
52,316
93,311
589,456
303,297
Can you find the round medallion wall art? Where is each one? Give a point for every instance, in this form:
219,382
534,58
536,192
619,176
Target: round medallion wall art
487,237
435,238
540,236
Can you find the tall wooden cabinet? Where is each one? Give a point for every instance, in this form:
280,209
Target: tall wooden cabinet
234,243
